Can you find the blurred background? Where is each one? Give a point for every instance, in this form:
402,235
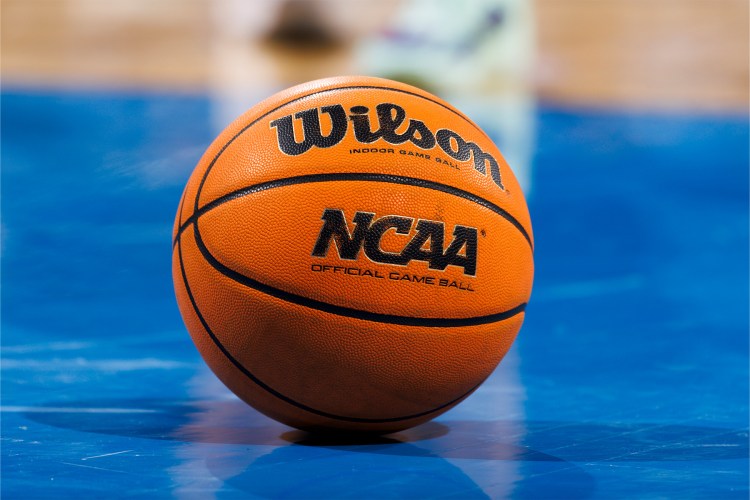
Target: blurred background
666,54
496,57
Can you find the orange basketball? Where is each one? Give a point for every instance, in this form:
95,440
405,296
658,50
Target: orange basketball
353,253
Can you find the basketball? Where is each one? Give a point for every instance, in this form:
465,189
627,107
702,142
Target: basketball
353,254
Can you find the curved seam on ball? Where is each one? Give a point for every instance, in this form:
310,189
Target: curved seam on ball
279,395
246,127
347,311
364,177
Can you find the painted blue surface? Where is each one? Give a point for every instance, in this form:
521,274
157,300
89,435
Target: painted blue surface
629,378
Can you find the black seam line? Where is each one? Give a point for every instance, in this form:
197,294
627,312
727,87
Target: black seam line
366,177
350,87
179,218
348,311
276,393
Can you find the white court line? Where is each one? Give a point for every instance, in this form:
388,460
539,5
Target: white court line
63,409
718,445
107,454
50,346
97,468
87,364
585,289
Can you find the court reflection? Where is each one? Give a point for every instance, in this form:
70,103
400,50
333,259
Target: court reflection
232,422
297,464
220,445
428,460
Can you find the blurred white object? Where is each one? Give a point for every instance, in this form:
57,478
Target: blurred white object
477,54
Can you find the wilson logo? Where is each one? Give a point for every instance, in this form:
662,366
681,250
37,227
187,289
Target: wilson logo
391,118
425,243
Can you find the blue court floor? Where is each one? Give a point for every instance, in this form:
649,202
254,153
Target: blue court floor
629,378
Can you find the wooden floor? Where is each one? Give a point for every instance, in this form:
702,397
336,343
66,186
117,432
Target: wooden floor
667,54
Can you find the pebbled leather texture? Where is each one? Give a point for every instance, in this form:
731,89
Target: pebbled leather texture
325,342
